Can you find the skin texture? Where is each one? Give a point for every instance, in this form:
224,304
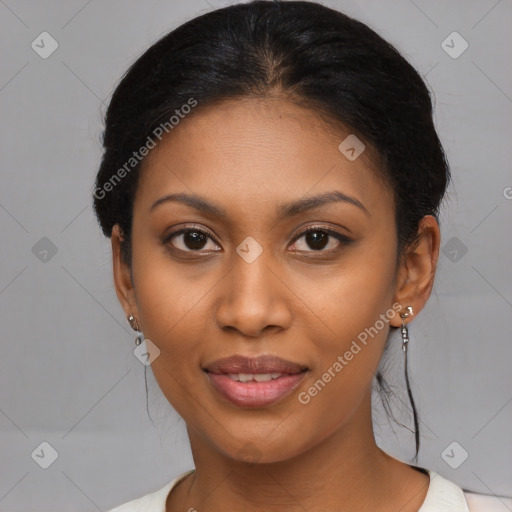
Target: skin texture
248,157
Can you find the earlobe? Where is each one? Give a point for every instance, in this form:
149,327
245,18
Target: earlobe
122,275
415,277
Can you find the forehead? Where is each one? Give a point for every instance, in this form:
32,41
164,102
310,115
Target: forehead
262,150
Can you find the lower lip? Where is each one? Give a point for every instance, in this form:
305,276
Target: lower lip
254,394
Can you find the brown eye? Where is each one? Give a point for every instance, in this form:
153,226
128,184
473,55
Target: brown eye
319,238
191,240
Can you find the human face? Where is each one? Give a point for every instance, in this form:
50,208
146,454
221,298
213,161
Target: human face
305,298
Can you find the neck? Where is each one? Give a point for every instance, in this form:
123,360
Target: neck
346,471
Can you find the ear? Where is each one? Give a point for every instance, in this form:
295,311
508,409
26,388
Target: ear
122,275
415,276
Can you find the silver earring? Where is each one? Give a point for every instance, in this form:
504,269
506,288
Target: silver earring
135,326
405,330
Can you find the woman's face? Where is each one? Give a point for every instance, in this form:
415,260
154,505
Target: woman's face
245,281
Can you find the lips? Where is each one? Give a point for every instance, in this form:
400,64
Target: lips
254,365
254,382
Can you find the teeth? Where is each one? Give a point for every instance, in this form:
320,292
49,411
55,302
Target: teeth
263,377
258,377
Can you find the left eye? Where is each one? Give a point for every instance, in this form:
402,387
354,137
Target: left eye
317,239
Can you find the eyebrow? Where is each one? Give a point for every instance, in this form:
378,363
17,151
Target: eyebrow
285,210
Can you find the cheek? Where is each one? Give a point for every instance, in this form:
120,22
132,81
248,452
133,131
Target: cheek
344,368
172,305
345,301
349,330
173,311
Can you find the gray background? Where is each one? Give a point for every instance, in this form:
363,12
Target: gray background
68,375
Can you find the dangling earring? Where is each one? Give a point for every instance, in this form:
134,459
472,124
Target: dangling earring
405,331
135,326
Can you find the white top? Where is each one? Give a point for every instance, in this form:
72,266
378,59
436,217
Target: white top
442,496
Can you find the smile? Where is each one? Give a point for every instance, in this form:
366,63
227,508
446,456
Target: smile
255,391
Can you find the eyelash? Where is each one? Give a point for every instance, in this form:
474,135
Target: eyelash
344,240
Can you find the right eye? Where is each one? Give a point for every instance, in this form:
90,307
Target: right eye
191,240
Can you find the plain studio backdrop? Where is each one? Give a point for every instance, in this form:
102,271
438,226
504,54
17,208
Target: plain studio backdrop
74,430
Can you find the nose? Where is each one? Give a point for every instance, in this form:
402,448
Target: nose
254,300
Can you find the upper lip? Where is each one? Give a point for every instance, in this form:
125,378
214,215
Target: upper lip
254,365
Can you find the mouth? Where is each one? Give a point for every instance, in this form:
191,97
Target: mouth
243,365
256,377
250,382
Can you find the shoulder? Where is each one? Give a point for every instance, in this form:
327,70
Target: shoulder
153,502
485,503
444,495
